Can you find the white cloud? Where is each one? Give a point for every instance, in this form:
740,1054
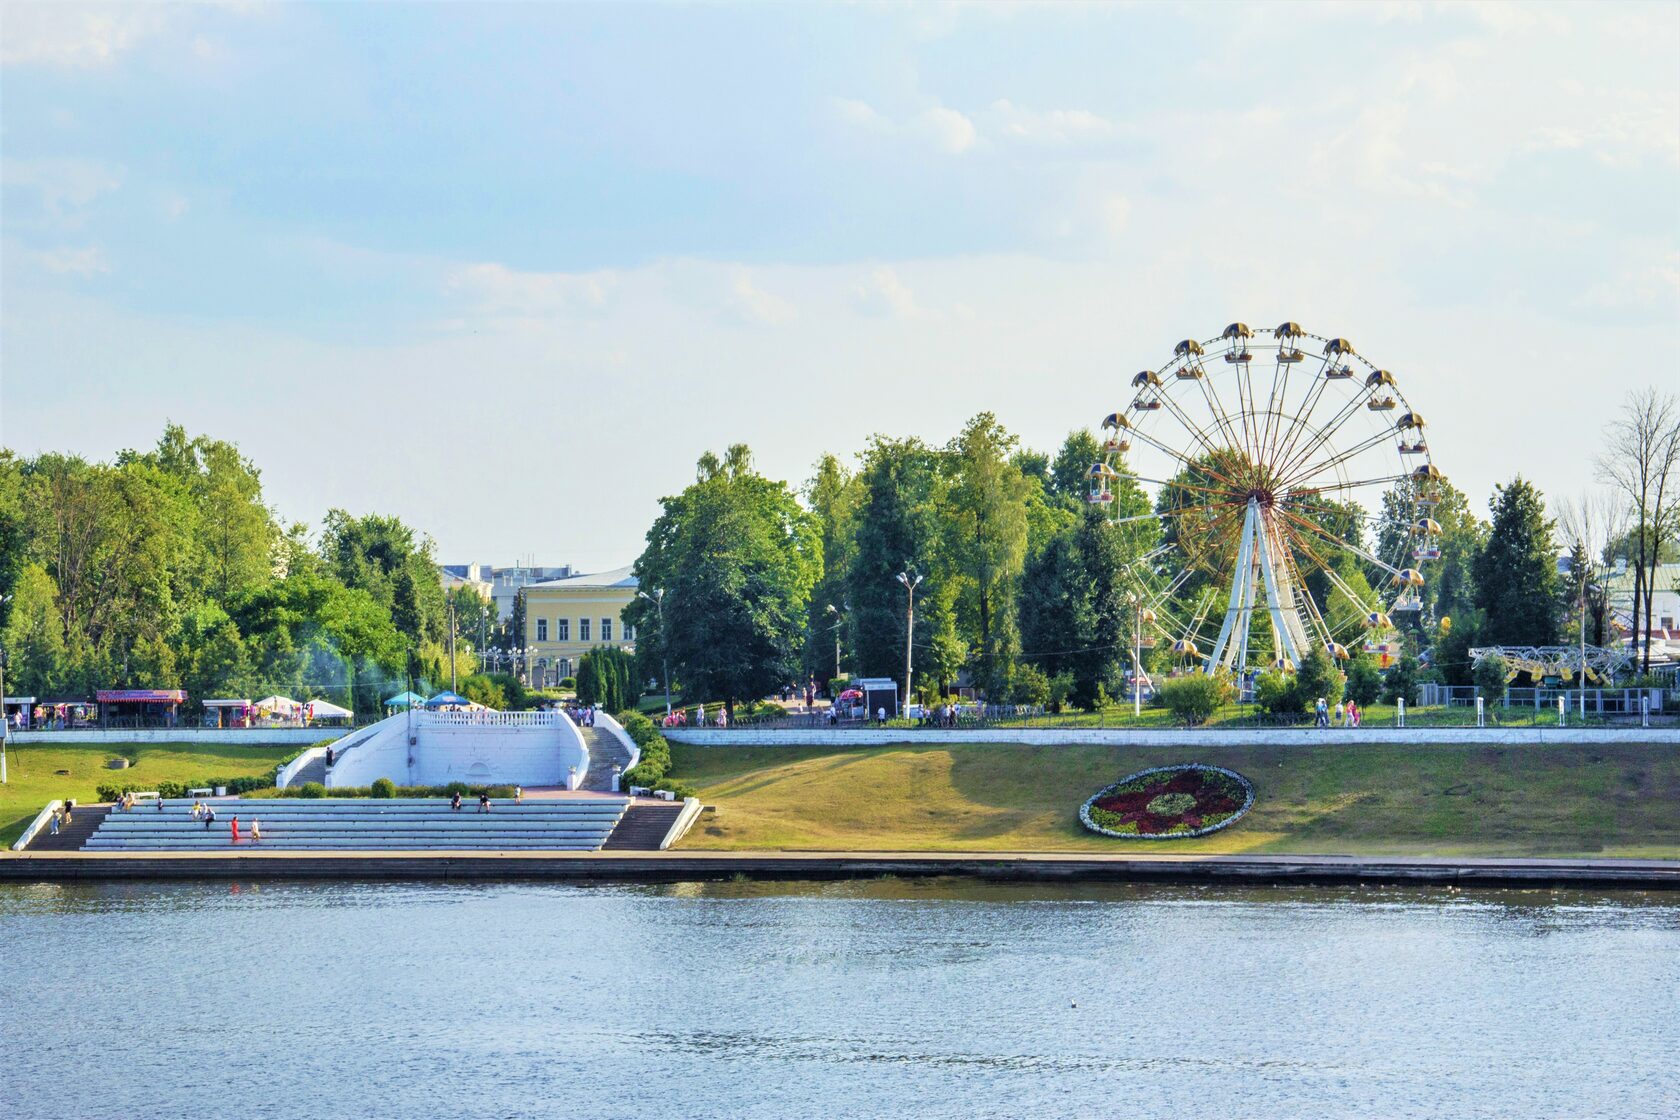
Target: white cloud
66,185
1012,122
749,303
72,36
500,291
74,262
882,292
948,130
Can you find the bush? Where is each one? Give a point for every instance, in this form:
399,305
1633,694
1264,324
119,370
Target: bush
1490,676
656,752
383,787
568,683
1364,680
1276,693
1402,680
1319,677
1194,698
312,789
1030,686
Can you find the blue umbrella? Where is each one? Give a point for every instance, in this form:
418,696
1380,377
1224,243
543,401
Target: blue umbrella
444,699
405,700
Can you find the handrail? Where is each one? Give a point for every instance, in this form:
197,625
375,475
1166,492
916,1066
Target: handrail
37,825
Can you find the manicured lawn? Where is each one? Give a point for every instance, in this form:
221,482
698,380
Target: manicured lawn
1247,715
34,779
1361,800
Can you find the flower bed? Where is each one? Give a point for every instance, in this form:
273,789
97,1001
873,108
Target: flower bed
1169,803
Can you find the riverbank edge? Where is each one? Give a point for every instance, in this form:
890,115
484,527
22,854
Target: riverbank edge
670,866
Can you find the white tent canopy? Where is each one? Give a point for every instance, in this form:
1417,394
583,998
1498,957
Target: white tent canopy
326,709
283,705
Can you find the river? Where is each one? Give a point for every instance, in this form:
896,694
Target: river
937,998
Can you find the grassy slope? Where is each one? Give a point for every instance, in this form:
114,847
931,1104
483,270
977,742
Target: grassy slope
34,781
1401,800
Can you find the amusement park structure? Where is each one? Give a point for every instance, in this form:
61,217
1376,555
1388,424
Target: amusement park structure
1265,451
1557,663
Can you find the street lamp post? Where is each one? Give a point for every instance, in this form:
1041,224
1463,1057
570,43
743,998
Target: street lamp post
452,643
838,622
5,720
1137,656
658,601
911,581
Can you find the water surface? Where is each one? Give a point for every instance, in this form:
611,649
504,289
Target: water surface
888,998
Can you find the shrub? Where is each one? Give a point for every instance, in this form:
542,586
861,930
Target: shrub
656,752
1318,676
1402,680
1030,686
312,789
1364,680
1276,693
1490,675
568,683
681,788
383,787
1194,698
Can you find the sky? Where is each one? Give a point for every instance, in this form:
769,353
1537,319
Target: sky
506,271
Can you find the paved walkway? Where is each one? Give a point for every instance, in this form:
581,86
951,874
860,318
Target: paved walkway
604,751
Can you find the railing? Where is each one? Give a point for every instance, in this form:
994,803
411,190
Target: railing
1230,719
489,719
36,825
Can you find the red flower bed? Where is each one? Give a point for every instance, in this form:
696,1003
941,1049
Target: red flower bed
1170,801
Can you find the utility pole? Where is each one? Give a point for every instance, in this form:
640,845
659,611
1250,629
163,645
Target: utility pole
911,582
1582,667
1137,657
452,643
658,601
836,628
5,721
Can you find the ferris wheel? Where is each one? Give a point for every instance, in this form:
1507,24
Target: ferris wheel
1268,456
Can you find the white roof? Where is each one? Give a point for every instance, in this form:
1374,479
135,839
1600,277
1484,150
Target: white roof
617,578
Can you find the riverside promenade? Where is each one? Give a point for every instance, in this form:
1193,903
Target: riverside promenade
676,866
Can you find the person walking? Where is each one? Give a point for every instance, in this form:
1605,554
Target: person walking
256,830
1340,710
1322,711
233,827
53,824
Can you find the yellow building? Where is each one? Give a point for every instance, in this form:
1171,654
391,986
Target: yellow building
566,618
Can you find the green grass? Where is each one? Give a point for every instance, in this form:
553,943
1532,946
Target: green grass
1621,800
1247,715
34,778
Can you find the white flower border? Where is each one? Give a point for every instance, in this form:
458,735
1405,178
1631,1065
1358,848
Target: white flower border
1248,803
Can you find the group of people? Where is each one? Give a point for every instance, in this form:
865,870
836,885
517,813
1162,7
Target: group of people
679,718
62,815
1342,715
483,800
207,814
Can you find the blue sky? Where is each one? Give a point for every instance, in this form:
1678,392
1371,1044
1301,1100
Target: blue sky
507,270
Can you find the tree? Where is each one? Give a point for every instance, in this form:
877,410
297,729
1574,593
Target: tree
898,527
381,556
1450,588
1067,473
1588,525
832,496
1401,683
986,518
606,676
33,634
1491,675
1516,573
1642,462
1317,676
1364,680
737,558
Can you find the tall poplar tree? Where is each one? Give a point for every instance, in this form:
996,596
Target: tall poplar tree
1516,572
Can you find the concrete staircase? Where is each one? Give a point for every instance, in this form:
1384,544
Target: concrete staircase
71,837
315,770
642,827
605,752
367,824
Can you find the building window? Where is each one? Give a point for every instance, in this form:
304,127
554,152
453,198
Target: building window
606,629
629,632
563,631
583,629
565,667
542,629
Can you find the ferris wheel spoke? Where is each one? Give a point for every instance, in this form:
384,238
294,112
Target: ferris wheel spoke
1183,418
1217,406
1303,415
1333,538
1322,436
1307,473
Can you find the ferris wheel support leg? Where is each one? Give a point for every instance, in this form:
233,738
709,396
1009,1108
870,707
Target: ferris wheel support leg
1286,635
1239,587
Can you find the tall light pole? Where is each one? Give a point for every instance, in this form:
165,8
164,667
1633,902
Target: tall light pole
452,643
911,581
838,622
658,601
5,720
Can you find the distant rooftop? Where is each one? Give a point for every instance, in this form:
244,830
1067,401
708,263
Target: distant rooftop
617,578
